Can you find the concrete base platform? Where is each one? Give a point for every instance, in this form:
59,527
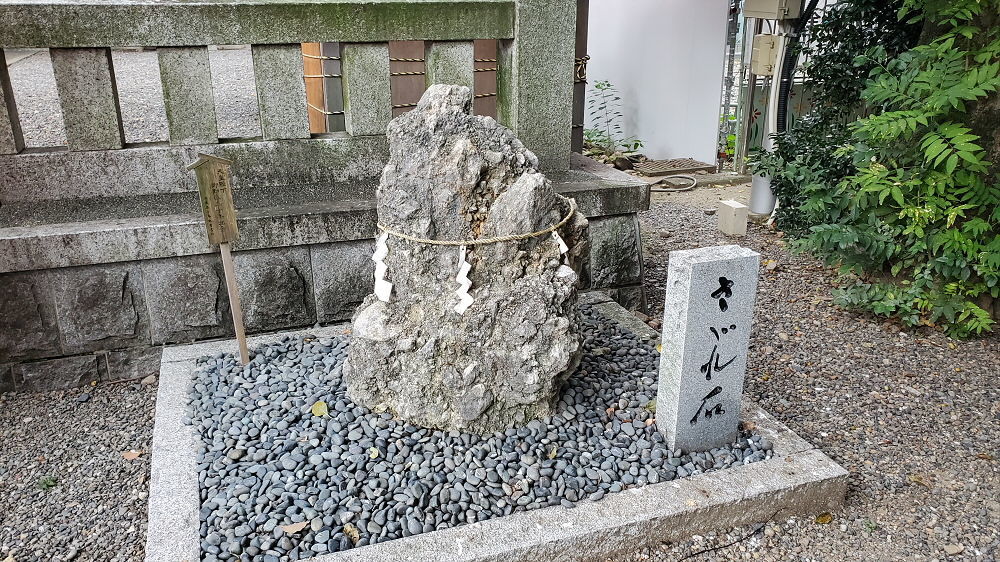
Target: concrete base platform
798,480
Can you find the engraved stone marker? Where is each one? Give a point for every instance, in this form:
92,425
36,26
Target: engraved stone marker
706,330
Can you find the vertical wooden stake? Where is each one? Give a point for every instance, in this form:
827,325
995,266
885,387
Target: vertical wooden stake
234,300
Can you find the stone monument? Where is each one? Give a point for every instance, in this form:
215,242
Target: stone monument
473,324
707,314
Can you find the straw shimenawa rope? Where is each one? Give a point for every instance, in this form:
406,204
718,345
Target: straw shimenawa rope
482,241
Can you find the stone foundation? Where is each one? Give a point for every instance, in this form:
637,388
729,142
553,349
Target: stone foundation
67,326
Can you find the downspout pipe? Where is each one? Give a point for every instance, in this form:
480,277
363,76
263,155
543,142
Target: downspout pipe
788,66
762,200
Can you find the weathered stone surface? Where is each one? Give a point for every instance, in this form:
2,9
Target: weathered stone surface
100,307
145,24
367,96
708,311
187,95
38,176
281,91
630,298
65,372
88,96
186,298
449,62
275,288
6,378
130,364
27,318
615,252
535,84
343,275
11,140
452,176
143,238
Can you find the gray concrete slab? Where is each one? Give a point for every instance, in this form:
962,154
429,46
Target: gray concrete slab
798,480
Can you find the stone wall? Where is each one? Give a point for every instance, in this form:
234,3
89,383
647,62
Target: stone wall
67,327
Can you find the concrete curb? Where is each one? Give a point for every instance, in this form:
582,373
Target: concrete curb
797,480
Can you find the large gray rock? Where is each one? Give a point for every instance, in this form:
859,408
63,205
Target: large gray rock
453,176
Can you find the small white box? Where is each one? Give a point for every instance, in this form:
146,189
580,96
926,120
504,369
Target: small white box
763,56
772,9
733,218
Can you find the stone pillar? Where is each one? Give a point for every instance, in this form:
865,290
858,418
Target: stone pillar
281,91
535,79
707,315
11,141
449,62
367,98
187,95
88,96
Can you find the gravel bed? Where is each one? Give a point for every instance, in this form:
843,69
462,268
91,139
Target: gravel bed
912,414
66,490
354,477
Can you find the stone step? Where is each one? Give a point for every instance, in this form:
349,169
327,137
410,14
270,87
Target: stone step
53,234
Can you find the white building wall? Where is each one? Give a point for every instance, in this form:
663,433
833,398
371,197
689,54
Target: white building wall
666,58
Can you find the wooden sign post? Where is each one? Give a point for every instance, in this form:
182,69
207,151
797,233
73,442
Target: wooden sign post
220,221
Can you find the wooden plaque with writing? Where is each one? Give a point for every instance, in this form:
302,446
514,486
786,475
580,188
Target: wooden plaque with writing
216,192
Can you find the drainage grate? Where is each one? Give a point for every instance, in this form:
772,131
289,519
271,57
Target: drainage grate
673,166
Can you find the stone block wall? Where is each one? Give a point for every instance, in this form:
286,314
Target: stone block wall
67,327
616,259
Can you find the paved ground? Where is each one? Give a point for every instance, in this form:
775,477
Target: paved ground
66,490
914,415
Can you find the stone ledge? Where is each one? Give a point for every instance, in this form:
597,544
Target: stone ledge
56,175
144,238
67,244
798,480
129,23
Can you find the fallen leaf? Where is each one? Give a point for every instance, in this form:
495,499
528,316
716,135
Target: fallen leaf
294,527
824,518
659,348
373,452
770,265
131,455
918,479
320,409
984,456
553,452
352,533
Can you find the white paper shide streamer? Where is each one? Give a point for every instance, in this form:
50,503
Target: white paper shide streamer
563,248
383,288
465,300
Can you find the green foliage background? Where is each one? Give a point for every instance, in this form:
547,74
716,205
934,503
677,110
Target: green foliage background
887,179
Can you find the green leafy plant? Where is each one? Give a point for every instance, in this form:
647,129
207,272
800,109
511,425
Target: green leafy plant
916,219
806,167
607,137
46,483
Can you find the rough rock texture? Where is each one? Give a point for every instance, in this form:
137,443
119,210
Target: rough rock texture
452,176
